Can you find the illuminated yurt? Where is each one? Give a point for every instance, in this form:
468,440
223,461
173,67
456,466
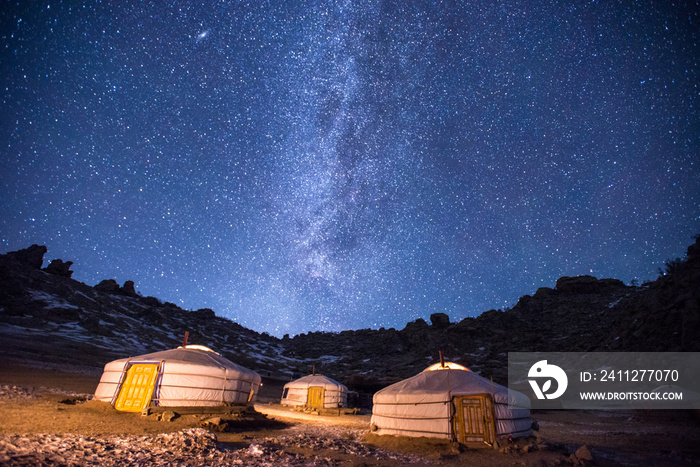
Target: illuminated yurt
192,375
315,391
449,401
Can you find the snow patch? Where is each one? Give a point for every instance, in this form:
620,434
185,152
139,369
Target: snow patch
52,301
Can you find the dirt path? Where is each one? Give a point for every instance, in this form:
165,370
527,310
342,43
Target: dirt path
279,411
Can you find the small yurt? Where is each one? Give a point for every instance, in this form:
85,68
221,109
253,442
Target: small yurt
315,391
449,401
192,375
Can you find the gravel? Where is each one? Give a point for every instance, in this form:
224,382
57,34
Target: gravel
189,447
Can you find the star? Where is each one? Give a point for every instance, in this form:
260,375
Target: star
311,167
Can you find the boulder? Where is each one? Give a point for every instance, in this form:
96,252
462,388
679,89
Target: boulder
440,320
215,424
205,313
58,268
108,286
583,453
168,416
32,256
152,301
129,289
417,325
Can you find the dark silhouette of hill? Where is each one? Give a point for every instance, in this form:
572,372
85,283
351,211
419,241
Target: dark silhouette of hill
48,317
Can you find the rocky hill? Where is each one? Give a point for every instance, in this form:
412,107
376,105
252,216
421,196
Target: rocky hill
46,316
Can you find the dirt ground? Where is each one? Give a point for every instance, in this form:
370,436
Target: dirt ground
41,406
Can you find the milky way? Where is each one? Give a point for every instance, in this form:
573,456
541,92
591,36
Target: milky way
344,165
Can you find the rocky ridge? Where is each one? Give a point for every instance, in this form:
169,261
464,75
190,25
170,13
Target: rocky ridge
45,315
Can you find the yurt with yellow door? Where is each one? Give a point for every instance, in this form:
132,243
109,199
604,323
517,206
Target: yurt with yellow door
187,376
315,391
449,401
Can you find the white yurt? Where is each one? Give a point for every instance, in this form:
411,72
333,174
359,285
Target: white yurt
192,375
316,391
450,401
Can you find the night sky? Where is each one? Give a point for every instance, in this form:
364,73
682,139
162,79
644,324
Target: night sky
302,166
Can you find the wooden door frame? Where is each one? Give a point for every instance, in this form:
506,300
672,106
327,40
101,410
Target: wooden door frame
488,419
150,389
322,398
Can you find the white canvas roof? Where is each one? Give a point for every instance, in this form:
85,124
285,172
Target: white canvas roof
315,380
189,376
296,392
442,385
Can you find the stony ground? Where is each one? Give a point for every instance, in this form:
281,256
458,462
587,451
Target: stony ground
48,426
189,447
47,418
45,426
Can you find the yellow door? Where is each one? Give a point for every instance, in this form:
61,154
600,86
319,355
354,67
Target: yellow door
316,396
137,388
474,422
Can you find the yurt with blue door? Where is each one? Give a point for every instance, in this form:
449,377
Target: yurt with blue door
449,401
187,376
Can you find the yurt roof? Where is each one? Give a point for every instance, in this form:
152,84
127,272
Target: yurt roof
314,380
192,355
441,386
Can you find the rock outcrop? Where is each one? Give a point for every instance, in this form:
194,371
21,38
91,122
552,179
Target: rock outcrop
586,285
108,286
440,320
58,268
665,314
128,289
111,286
32,257
49,316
